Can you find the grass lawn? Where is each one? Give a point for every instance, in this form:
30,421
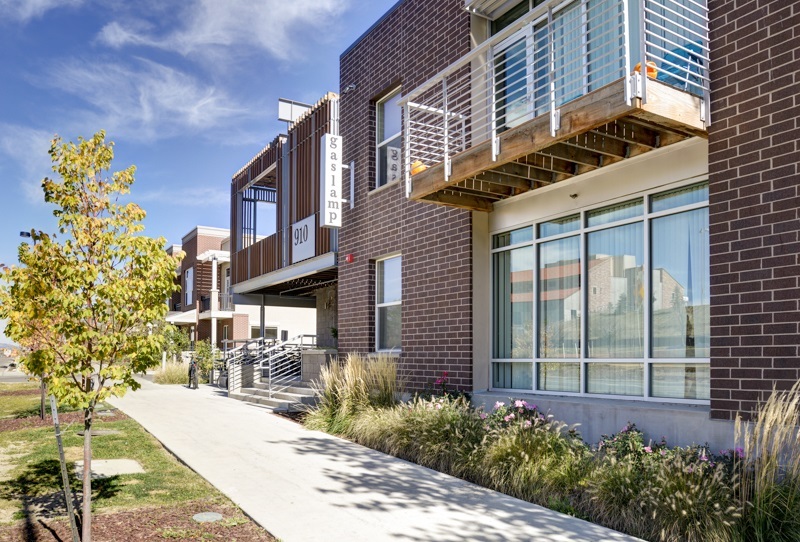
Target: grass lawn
164,496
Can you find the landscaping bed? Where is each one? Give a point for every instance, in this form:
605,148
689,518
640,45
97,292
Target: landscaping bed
650,490
152,505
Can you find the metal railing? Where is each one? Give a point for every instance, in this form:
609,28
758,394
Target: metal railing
559,51
277,362
225,302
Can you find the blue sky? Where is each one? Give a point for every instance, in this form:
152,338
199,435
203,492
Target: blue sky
187,89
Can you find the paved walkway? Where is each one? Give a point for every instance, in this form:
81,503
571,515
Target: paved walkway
304,486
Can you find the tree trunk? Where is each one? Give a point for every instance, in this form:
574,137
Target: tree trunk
86,520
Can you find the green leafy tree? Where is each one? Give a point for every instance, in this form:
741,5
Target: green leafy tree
82,298
175,340
204,356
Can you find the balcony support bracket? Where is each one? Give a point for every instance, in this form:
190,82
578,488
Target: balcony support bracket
555,121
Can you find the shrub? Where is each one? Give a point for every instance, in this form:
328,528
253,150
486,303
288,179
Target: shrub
531,456
442,433
691,498
769,463
172,373
353,386
204,356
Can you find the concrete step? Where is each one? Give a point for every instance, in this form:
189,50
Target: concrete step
286,396
272,404
298,387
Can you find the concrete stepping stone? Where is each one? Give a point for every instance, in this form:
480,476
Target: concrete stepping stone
106,468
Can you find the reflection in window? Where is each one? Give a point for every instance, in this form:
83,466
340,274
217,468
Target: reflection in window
559,377
559,298
588,319
615,378
512,375
615,315
388,303
680,380
389,140
680,286
513,307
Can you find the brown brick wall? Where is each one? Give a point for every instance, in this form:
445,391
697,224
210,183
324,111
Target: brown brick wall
202,271
753,175
241,327
412,43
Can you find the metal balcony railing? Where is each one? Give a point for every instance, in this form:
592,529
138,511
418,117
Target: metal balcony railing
225,302
559,51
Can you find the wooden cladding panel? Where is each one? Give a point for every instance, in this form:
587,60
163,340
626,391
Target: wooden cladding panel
259,164
304,148
302,168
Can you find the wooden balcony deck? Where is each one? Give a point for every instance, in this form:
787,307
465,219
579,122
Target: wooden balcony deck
597,130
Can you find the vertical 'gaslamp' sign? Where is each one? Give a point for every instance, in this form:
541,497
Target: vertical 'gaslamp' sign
330,201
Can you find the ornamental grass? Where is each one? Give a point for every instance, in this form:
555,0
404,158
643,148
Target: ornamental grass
769,462
172,373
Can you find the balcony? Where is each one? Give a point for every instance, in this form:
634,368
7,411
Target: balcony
209,309
557,94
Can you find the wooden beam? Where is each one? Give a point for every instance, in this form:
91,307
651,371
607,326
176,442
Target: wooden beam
473,203
495,177
674,109
629,132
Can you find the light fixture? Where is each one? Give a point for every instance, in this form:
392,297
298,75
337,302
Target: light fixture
348,88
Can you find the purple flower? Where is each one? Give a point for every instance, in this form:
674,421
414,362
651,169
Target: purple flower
528,423
739,452
499,404
509,417
519,404
663,453
624,429
648,449
483,415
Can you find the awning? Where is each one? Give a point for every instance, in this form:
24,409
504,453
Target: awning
491,9
222,256
178,318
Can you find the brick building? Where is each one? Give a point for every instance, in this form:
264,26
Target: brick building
206,307
408,287
530,142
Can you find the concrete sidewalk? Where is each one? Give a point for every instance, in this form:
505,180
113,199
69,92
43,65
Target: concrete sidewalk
304,486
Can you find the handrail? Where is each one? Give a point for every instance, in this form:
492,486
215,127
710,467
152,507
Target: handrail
280,359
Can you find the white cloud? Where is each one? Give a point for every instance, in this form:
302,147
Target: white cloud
278,27
28,148
185,196
147,100
25,10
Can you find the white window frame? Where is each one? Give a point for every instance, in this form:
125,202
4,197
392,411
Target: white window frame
647,360
378,306
188,286
380,143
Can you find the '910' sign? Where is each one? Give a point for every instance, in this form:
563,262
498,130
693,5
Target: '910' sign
304,239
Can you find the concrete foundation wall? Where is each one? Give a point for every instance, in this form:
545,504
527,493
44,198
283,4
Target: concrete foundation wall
681,424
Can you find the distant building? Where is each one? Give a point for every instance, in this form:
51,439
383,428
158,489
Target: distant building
206,306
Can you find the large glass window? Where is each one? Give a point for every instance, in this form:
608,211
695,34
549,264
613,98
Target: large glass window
388,303
389,156
637,272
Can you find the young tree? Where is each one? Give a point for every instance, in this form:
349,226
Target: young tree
82,298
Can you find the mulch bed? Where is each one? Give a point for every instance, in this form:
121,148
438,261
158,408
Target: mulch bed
13,424
146,524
